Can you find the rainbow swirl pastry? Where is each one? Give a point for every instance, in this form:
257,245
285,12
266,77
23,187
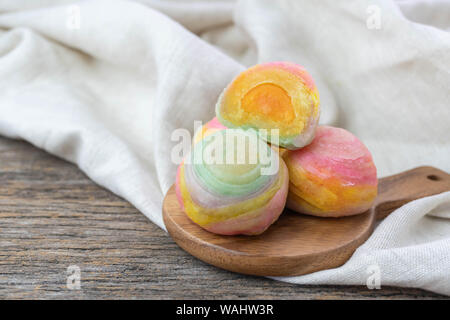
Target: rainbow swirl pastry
237,197
331,177
275,95
209,128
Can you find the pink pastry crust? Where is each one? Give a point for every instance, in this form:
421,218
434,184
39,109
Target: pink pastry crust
293,68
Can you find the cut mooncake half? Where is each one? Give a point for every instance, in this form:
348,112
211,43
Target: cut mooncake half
275,95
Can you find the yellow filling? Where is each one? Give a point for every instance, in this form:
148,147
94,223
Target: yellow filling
268,100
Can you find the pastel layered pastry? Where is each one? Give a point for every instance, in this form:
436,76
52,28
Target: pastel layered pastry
242,196
275,95
209,128
331,177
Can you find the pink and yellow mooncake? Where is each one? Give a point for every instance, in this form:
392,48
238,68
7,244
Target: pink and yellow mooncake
275,95
240,197
331,177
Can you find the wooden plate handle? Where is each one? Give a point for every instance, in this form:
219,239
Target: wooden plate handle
394,191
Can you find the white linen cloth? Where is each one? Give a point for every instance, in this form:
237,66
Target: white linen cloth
104,83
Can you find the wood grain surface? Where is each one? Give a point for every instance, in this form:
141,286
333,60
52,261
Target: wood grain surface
52,216
298,244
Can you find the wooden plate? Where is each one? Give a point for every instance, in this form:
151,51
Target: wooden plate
298,244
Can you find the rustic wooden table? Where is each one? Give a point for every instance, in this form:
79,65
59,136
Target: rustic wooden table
52,216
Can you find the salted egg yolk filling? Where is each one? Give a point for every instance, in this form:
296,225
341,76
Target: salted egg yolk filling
268,100
267,105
